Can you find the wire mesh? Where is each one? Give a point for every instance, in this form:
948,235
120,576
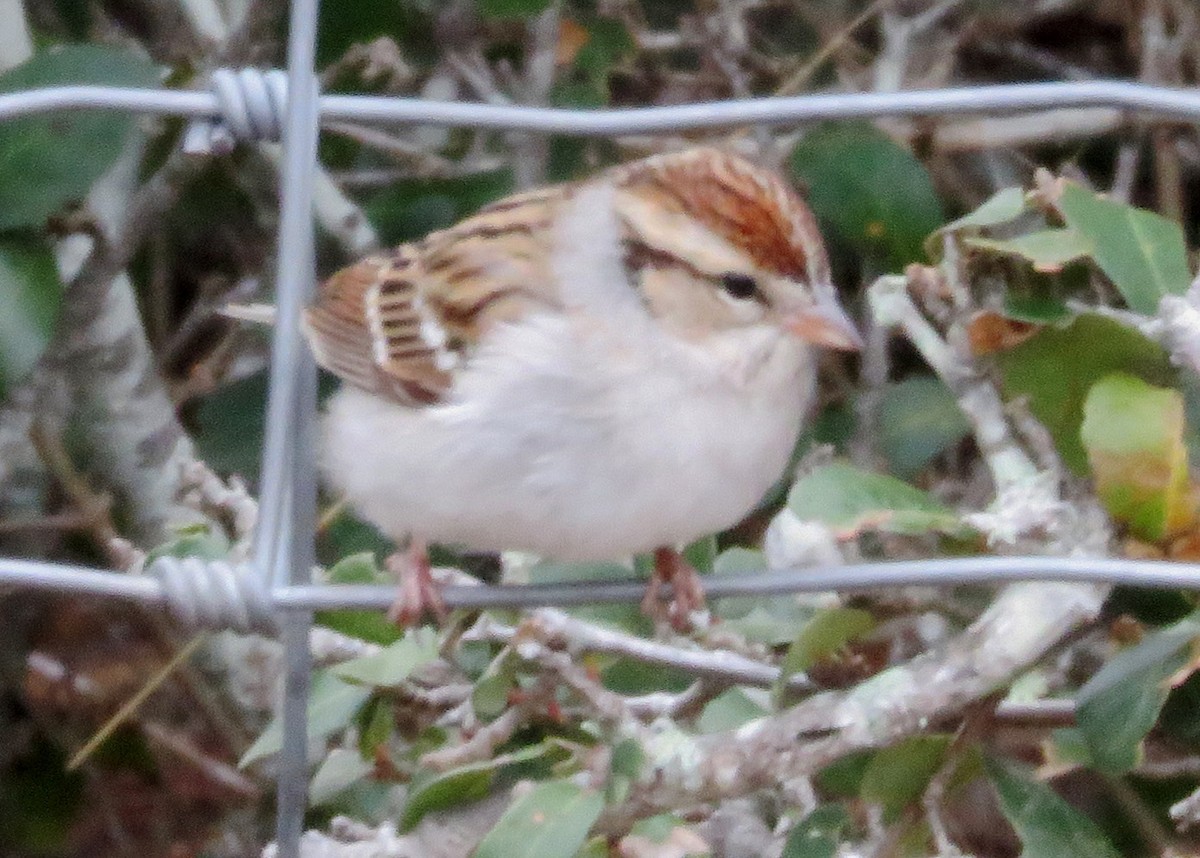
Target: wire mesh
284,548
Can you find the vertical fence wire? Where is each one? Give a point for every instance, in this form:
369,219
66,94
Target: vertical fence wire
285,537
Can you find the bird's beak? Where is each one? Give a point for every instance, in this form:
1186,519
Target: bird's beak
825,323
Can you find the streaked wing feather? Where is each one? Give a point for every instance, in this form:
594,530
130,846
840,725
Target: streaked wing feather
399,326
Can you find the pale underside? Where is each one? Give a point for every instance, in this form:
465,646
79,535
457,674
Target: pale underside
507,389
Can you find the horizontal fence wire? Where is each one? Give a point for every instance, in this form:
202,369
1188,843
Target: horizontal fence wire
938,572
1168,102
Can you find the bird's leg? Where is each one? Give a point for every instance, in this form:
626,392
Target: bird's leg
687,591
419,594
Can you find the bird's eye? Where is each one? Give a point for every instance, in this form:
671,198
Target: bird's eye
739,285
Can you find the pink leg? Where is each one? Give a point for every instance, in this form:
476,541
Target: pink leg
687,589
419,594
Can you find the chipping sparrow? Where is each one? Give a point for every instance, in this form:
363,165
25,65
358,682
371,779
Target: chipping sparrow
585,371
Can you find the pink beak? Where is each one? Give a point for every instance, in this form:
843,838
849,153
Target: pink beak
825,323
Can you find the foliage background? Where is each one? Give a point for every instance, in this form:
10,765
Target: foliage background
127,401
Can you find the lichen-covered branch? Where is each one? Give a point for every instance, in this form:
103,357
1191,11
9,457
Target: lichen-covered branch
1024,622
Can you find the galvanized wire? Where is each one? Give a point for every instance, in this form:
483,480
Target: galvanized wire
1166,102
855,577
285,550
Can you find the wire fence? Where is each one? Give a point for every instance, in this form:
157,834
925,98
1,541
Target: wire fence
271,592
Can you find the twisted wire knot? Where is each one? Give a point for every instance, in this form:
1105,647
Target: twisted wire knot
251,104
215,594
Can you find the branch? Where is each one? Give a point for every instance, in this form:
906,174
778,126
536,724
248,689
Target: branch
1024,622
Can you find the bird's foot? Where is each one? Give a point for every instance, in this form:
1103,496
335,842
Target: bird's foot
419,595
687,590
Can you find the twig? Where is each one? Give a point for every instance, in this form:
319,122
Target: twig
797,79
558,628
92,507
216,771
482,745
1009,464
893,704
131,706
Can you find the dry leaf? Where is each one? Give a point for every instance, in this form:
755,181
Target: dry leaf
990,331
571,39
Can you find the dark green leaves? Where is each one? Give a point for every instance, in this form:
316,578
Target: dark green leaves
332,704
818,834
435,791
875,195
823,635
49,161
512,8
30,292
850,500
1047,825
1057,367
1118,706
550,821
1141,252
898,775
393,664
919,418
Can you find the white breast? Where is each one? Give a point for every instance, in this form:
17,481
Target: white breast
570,439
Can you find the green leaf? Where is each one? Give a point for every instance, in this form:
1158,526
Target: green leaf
49,161
1047,825
657,828
447,789
394,664
41,800
827,632
1001,207
512,8
411,209
818,834
852,500
30,293
489,697
874,194
332,705
1121,702
194,542
340,770
432,791
376,724
365,625
919,420
731,709
343,25
1133,434
1055,369
1141,252
550,821
231,422
702,554
897,776
1048,250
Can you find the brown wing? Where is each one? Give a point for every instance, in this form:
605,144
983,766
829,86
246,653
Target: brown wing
399,326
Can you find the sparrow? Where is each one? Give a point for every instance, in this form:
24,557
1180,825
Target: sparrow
586,371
